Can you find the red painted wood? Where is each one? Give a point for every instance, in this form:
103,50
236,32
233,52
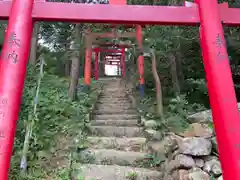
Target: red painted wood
119,2
220,88
173,15
13,63
110,14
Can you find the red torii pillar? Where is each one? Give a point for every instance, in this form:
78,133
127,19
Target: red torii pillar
14,59
140,59
96,64
123,62
88,63
220,88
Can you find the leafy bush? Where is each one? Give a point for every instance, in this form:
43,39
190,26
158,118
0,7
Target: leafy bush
55,116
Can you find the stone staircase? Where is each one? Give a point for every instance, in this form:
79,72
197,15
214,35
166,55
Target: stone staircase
117,144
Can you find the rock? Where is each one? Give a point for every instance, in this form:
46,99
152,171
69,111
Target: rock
143,121
180,161
198,130
199,162
198,174
195,146
209,158
201,117
167,177
181,174
150,124
152,134
175,153
214,144
166,146
213,166
185,161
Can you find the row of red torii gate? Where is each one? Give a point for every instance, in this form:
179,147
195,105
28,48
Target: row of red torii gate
210,15
114,54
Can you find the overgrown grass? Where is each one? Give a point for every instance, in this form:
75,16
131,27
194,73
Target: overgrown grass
58,125
176,111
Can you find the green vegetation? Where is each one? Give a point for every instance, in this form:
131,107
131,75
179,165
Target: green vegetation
132,176
58,125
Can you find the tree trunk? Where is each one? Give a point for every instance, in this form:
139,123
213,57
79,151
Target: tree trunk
175,80
75,67
158,86
179,69
34,45
67,68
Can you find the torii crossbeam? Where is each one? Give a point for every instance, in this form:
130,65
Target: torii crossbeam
210,15
116,14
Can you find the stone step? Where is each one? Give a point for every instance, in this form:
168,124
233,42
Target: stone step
113,91
113,98
113,94
115,112
113,108
113,86
126,144
109,99
112,101
114,131
111,156
118,105
112,172
116,117
114,122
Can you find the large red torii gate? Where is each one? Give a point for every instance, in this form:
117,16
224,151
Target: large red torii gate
91,36
15,53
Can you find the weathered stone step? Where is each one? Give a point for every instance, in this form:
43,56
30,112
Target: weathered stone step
116,117
126,144
114,131
112,172
113,96
113,91
114,122
113,108
111,156
118,105
116,93
115,112
119,92
113,101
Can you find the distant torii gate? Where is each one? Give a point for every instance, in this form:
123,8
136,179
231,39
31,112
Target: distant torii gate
91,36
211,16
97,50
102,47
117,63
